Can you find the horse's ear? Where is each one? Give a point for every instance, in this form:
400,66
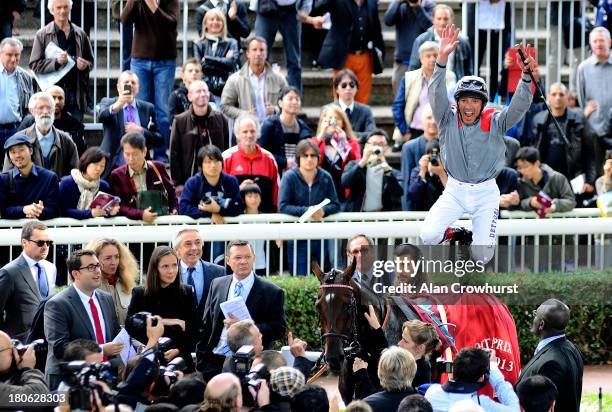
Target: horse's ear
350,270
316,269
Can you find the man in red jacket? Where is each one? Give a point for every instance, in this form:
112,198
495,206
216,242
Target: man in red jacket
249,163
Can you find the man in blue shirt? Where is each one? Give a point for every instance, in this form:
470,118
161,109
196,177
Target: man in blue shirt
15,87
27,190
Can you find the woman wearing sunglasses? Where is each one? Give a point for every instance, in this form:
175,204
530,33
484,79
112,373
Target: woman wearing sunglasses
337,145
165,295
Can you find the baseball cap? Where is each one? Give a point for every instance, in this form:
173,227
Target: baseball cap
17,140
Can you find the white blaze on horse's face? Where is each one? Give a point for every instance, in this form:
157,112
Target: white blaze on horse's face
329,298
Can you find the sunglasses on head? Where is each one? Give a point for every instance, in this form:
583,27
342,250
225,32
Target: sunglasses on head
472,85
41,243
344,85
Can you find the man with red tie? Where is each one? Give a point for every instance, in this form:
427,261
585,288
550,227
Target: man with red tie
80,312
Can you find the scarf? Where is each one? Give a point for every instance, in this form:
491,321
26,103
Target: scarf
215,42
341,145
87,188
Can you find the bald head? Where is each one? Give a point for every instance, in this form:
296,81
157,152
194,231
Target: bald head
58,97
551,318
6,356
224,390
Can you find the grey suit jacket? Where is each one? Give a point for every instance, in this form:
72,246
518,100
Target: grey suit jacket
362,121
19,298
66,319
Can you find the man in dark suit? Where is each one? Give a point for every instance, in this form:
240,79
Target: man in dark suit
555,356
80,312
360,115
264,300
124,114
25,281
195,272
139,175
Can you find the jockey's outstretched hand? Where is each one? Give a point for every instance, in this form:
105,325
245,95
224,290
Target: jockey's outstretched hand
529,64
448,42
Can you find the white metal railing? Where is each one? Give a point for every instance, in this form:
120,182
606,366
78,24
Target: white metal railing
589,234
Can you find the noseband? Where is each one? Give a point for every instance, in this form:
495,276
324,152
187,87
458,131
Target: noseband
351,338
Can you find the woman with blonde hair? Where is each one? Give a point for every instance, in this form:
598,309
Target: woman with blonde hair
217,53
420,339
119,272
337,144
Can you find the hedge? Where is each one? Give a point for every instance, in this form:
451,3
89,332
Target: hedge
590,326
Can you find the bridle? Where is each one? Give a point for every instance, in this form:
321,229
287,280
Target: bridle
351,339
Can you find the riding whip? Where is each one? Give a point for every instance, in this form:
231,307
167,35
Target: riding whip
539,88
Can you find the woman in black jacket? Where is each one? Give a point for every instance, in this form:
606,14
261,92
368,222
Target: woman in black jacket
217,52
165,295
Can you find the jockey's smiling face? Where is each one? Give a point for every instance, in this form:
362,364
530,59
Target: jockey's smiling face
469,109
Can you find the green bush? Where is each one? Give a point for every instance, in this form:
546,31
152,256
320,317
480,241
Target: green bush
589,328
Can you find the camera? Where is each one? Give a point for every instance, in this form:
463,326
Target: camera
242,360
332,122
434,157
38,345
444,366
259,371
136,325
376,151
81,377
162,386
127,88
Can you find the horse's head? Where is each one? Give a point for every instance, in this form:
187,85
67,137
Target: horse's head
337,307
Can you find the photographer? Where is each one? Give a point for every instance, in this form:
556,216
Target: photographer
146,382
473,368
372,183
17,373
428,179
223,394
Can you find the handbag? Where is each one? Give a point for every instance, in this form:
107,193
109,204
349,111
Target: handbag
377,61
157,200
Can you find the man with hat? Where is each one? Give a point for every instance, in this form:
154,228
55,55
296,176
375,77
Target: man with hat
285,382
26,190
472,150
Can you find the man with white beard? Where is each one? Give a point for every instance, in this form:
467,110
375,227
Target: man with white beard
52,149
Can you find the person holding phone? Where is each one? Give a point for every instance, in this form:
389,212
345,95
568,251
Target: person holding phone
124,114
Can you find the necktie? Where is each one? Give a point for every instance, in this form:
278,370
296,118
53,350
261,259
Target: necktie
190,280
348,113
96,317
43,284
357,277
238,289
130,113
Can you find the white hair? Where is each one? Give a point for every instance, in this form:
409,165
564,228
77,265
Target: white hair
466,405
52,3
243,118
428,46
11,41
599,29
39,96
178,238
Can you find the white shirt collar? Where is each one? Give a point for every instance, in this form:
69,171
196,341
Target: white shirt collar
344,106
544,342
31,262
253,75
84,297
247,284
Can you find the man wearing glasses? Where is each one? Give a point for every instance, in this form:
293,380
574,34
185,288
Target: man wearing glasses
80,312
472,150
26,281
360,115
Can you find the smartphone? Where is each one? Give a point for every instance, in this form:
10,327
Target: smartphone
127,88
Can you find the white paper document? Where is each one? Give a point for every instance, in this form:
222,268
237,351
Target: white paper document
577,184
237,307
312,210
130,346
46,80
